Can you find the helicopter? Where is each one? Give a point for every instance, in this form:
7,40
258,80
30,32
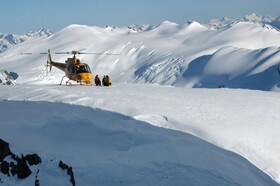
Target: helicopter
74,69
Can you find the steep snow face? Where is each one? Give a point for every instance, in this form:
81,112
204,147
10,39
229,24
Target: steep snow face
236,68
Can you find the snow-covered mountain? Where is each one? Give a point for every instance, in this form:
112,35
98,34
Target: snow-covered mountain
244,55
8,40
141,28
134,133
252,18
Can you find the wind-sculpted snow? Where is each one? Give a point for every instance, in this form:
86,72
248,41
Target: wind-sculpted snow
106,148
165,55
236,68
242,121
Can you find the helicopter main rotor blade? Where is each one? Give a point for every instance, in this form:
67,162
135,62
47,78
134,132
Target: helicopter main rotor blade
27,53
63,53
77,52
95,53
30,53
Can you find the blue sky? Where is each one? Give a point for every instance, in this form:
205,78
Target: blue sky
21,16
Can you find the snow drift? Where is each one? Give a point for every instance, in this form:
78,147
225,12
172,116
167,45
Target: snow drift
114,149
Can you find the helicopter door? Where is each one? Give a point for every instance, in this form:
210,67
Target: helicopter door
71,69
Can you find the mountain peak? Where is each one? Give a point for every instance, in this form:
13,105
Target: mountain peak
141,27
8,40
252,18
164,23
41,32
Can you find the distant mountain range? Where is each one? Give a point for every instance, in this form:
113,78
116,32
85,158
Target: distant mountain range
252,18
224,22
9,40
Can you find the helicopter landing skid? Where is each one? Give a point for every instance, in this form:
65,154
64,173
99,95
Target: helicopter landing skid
69,83
62,80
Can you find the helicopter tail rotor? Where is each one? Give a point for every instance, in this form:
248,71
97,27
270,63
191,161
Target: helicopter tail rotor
49,65
49,60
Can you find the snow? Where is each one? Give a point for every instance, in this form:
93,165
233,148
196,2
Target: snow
151,127
9,40
81,135
268,21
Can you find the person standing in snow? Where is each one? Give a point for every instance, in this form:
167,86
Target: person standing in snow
104,81
109,81
97,81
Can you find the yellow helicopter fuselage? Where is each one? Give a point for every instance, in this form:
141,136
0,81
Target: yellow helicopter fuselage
75,70
79,72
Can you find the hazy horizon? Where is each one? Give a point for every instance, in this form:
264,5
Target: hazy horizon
20,17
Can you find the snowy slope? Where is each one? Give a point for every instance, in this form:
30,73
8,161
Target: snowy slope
236,68
170,54
179,56
105,148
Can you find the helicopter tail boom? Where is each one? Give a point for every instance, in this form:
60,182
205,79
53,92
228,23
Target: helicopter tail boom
51,63
60,66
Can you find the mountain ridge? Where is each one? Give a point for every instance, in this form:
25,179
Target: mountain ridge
251,18
9,40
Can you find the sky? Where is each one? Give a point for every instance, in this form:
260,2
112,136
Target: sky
19,16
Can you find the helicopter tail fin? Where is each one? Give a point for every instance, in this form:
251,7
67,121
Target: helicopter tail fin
49,60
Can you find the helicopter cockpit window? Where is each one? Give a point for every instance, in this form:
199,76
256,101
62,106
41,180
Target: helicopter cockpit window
81,69
88,69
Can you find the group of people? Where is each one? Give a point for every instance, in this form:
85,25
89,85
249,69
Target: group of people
106,81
